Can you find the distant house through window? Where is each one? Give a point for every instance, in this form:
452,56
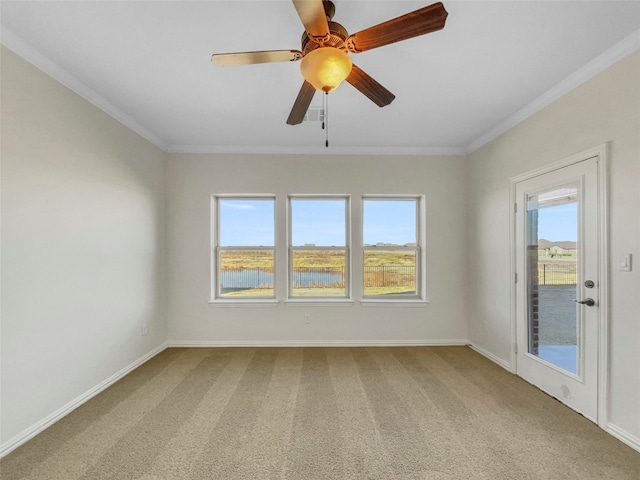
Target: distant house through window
244,247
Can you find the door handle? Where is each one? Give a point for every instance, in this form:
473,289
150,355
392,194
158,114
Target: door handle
589,302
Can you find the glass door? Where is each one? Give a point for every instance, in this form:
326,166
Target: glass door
557,316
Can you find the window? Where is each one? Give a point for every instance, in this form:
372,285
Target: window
318,260
319,253
244,251
391,233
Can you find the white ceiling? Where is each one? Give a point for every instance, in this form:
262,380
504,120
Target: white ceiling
147,63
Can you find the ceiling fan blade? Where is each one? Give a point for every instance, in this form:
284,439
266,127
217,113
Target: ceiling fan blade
425,20
249,58
369,87
301,104
313,17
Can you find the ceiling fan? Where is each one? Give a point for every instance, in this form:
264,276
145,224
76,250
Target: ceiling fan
325,46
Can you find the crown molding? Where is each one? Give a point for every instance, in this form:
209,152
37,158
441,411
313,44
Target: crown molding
580,76
33,56
318,150
597,65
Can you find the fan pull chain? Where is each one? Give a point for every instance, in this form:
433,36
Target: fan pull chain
326,119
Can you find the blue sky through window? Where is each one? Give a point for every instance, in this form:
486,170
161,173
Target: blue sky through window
318,222
246,222
558,224
250,222
389,221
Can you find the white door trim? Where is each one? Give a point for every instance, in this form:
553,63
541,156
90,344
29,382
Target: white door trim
599,151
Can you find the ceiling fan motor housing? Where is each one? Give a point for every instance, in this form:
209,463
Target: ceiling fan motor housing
337,39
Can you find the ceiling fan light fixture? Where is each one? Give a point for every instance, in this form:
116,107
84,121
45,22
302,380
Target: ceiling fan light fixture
326,68
325,49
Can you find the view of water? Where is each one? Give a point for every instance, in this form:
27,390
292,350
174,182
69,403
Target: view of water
255,278
246,279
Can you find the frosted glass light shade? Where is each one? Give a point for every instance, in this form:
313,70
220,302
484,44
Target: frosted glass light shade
326,68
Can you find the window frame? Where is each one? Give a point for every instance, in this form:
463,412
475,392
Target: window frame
324,300
216,249
419,298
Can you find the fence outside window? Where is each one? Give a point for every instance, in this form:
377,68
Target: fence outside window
390,276
557,273
374,276
319,277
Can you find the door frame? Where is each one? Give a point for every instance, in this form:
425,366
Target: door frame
601,152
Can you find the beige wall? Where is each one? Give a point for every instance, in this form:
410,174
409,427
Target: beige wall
86,233
83,250
604,109
192,179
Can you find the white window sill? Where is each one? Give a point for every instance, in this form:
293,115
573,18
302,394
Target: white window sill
244,303
315,302
395,303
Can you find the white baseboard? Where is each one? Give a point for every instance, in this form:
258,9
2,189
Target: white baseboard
316,343
485,353
623,436
46,422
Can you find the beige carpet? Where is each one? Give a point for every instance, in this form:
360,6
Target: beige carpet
322,413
